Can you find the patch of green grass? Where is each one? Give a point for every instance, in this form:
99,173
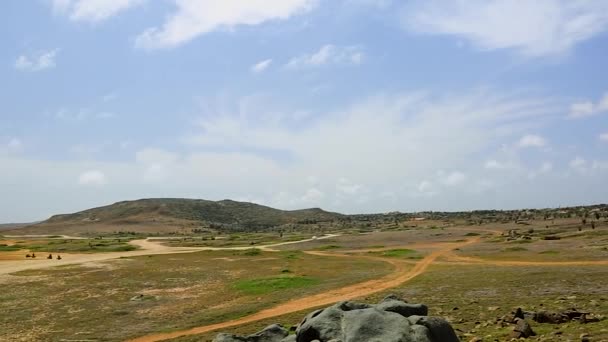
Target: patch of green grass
251,252
6,248
521,241
472,234
267,285
292,256
395,253
84,245
515,249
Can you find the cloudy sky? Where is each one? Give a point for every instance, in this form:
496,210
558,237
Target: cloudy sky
349,105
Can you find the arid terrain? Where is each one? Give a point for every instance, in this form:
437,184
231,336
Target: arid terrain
188,287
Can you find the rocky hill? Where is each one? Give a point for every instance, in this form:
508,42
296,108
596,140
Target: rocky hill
169,214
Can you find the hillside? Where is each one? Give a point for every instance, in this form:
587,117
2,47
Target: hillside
11,226
171,214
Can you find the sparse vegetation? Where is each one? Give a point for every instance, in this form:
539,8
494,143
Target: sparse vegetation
397,253
267,285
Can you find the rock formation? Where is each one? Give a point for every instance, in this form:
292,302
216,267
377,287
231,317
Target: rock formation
391,320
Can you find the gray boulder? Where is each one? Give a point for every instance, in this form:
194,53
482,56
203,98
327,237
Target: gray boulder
522,329
439,329
392,320
387,321
272,333
403,308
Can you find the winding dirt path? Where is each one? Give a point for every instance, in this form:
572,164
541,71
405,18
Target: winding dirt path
466,260
146,247
401,274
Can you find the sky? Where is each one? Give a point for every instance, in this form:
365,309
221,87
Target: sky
354,106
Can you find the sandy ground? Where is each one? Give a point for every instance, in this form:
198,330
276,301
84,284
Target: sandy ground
401,274
146,247
403,271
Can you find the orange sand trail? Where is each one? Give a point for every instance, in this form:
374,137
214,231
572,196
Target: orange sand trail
401,274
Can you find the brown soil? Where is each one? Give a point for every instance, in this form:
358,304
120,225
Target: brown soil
400,275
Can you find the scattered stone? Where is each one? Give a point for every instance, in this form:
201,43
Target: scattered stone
522,329
560,317
137,297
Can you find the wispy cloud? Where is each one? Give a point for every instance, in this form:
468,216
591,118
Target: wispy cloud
261,66
532,140
92,10
588,108
329,55
92,178
196,17
38,62
531,28
82,114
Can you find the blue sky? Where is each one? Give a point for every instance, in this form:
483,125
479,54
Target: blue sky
349,105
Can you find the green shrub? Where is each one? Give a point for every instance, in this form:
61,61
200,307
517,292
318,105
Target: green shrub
398,252
267,285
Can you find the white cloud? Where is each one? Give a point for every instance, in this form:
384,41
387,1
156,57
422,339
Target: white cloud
588,108
92,177
532,140
109,97
604,137
346,187
427,188
158,164
493,164
453,178
10,146
531,28
380,153
544,169
82,114
602,105
39,62
328,54
196,17
14,143
261,66
579,164
599,165
313,196
92,10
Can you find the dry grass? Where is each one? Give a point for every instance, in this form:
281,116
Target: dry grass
178,291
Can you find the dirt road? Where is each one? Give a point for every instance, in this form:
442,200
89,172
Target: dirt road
465,260
401,274
146,247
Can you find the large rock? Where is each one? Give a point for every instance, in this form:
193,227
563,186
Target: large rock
439,329
272,333
387,321
392,320
404,309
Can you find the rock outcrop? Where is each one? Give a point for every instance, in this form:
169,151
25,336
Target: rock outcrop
391,320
